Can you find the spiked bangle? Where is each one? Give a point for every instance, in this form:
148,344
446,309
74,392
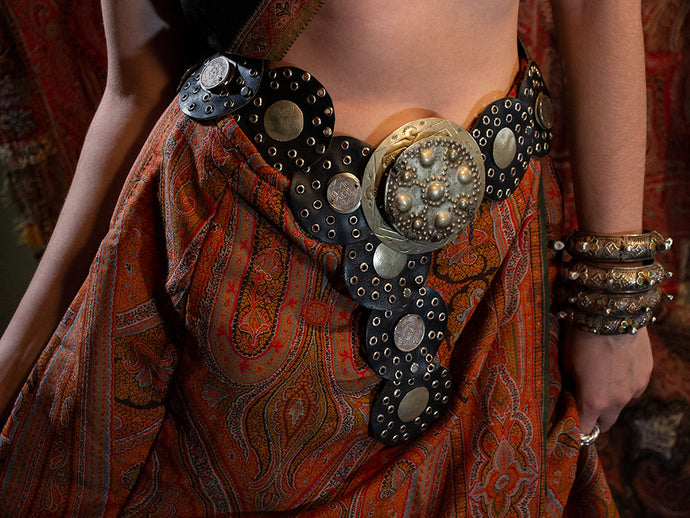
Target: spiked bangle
611,304
616,248
602,324
600,291
615,279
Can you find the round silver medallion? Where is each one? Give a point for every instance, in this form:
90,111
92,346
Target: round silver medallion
408,333
413,404
431,175
505,147
284,121
216,73
544,111
427,195
344,193
387,262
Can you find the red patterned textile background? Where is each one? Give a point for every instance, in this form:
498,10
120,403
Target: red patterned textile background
52,62
52,72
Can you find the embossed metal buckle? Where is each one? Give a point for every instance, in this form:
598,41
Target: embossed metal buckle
431,177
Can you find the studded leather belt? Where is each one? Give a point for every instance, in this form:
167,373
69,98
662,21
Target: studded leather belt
389,207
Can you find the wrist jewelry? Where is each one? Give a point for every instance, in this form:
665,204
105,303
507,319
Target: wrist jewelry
600,291
616,279
616,248
611,304
607,325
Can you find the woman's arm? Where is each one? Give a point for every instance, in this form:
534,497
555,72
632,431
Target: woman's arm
601,44
145,60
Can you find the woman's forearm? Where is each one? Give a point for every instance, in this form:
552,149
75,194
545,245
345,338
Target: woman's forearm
601,44
147,53
113,140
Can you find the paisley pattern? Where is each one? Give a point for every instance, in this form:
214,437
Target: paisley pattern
502,446
49,44
211,363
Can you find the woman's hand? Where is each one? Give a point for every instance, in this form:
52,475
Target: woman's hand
608,371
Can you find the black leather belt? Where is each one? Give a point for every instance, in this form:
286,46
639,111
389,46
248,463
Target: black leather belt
390,207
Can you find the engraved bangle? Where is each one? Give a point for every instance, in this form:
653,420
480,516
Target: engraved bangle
616,248
612,304
615,279
599,324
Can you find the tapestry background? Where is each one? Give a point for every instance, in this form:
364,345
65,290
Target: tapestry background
52,71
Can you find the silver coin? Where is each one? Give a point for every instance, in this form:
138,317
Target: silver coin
544,111
215,73
409,332
344,193
505,147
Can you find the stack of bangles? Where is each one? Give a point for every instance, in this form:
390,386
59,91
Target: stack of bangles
610,285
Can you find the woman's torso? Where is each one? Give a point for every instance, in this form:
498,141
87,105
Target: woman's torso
386,64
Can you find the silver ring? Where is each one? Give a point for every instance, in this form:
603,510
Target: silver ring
589,438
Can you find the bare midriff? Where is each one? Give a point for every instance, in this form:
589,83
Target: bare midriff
386,63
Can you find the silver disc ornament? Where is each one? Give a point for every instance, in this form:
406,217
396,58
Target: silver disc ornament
432,189
534,94
503,132
379,277
404,410
423,185
290,120
326,198
402,343
221,85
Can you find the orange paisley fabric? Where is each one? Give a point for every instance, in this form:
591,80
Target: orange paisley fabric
210,364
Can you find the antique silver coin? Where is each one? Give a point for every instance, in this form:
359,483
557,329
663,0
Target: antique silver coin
401,343
326,197
219,86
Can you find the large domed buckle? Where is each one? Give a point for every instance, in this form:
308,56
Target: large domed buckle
423,185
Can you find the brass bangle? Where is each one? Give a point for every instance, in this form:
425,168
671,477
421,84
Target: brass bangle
615,279
606,325
616,248
612,304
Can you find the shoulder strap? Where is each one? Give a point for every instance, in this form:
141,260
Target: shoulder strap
273,27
